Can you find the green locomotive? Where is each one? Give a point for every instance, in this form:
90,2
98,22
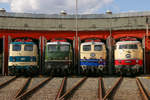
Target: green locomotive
58,57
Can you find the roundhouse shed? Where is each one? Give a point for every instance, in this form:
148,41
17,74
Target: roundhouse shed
41,27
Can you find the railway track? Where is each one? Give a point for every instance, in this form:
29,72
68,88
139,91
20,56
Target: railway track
6,80
67,88
35,85
10,87
126,89
48,91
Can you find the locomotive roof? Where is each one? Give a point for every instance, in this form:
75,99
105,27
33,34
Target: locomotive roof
59,43
22,43
89,43
128,42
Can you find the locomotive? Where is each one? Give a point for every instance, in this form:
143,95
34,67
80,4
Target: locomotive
58,57
128,56
23,57
93,56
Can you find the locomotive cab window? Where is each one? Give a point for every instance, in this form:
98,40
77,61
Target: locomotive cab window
28,47
16,47
128,46
52,48
64,48
86,47
98,47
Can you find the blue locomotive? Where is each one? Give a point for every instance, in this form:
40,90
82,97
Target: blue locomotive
23,57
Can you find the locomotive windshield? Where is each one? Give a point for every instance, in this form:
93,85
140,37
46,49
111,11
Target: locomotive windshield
86,47
64,48
28,47
52,48
128,46
98,47
16,47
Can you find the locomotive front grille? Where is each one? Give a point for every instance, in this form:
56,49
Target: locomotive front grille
128,61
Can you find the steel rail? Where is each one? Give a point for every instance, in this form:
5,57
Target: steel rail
22,89
75,86
110,91
33,89
100,92
61,88
142,89
7,82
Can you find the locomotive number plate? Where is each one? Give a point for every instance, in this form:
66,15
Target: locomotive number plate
22,58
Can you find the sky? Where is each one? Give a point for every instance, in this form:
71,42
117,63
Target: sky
84,6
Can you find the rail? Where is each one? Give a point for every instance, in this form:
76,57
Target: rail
71,89
7,82
23,88
25,94
111,90
142,90
61,88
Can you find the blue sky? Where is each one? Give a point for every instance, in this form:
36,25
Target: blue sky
38,6
132,5
5,5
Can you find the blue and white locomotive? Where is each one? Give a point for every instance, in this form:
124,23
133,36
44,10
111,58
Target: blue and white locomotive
93,56
23,57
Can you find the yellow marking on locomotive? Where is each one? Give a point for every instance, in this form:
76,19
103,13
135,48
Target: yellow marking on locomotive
137,53
97,54
34,52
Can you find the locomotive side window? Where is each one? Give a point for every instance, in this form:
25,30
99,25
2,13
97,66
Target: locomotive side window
28,47
98,47
86,47
128,46
64,48
16,47
52,48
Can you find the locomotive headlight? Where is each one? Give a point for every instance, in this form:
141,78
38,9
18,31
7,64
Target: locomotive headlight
32,59
84,67
101,67
137,61
14,59
66,66
49,66
66,58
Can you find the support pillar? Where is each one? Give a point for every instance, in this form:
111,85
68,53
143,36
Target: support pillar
147,54
110,55
5,55
41,53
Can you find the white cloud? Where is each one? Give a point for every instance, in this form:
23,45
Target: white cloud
55,6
